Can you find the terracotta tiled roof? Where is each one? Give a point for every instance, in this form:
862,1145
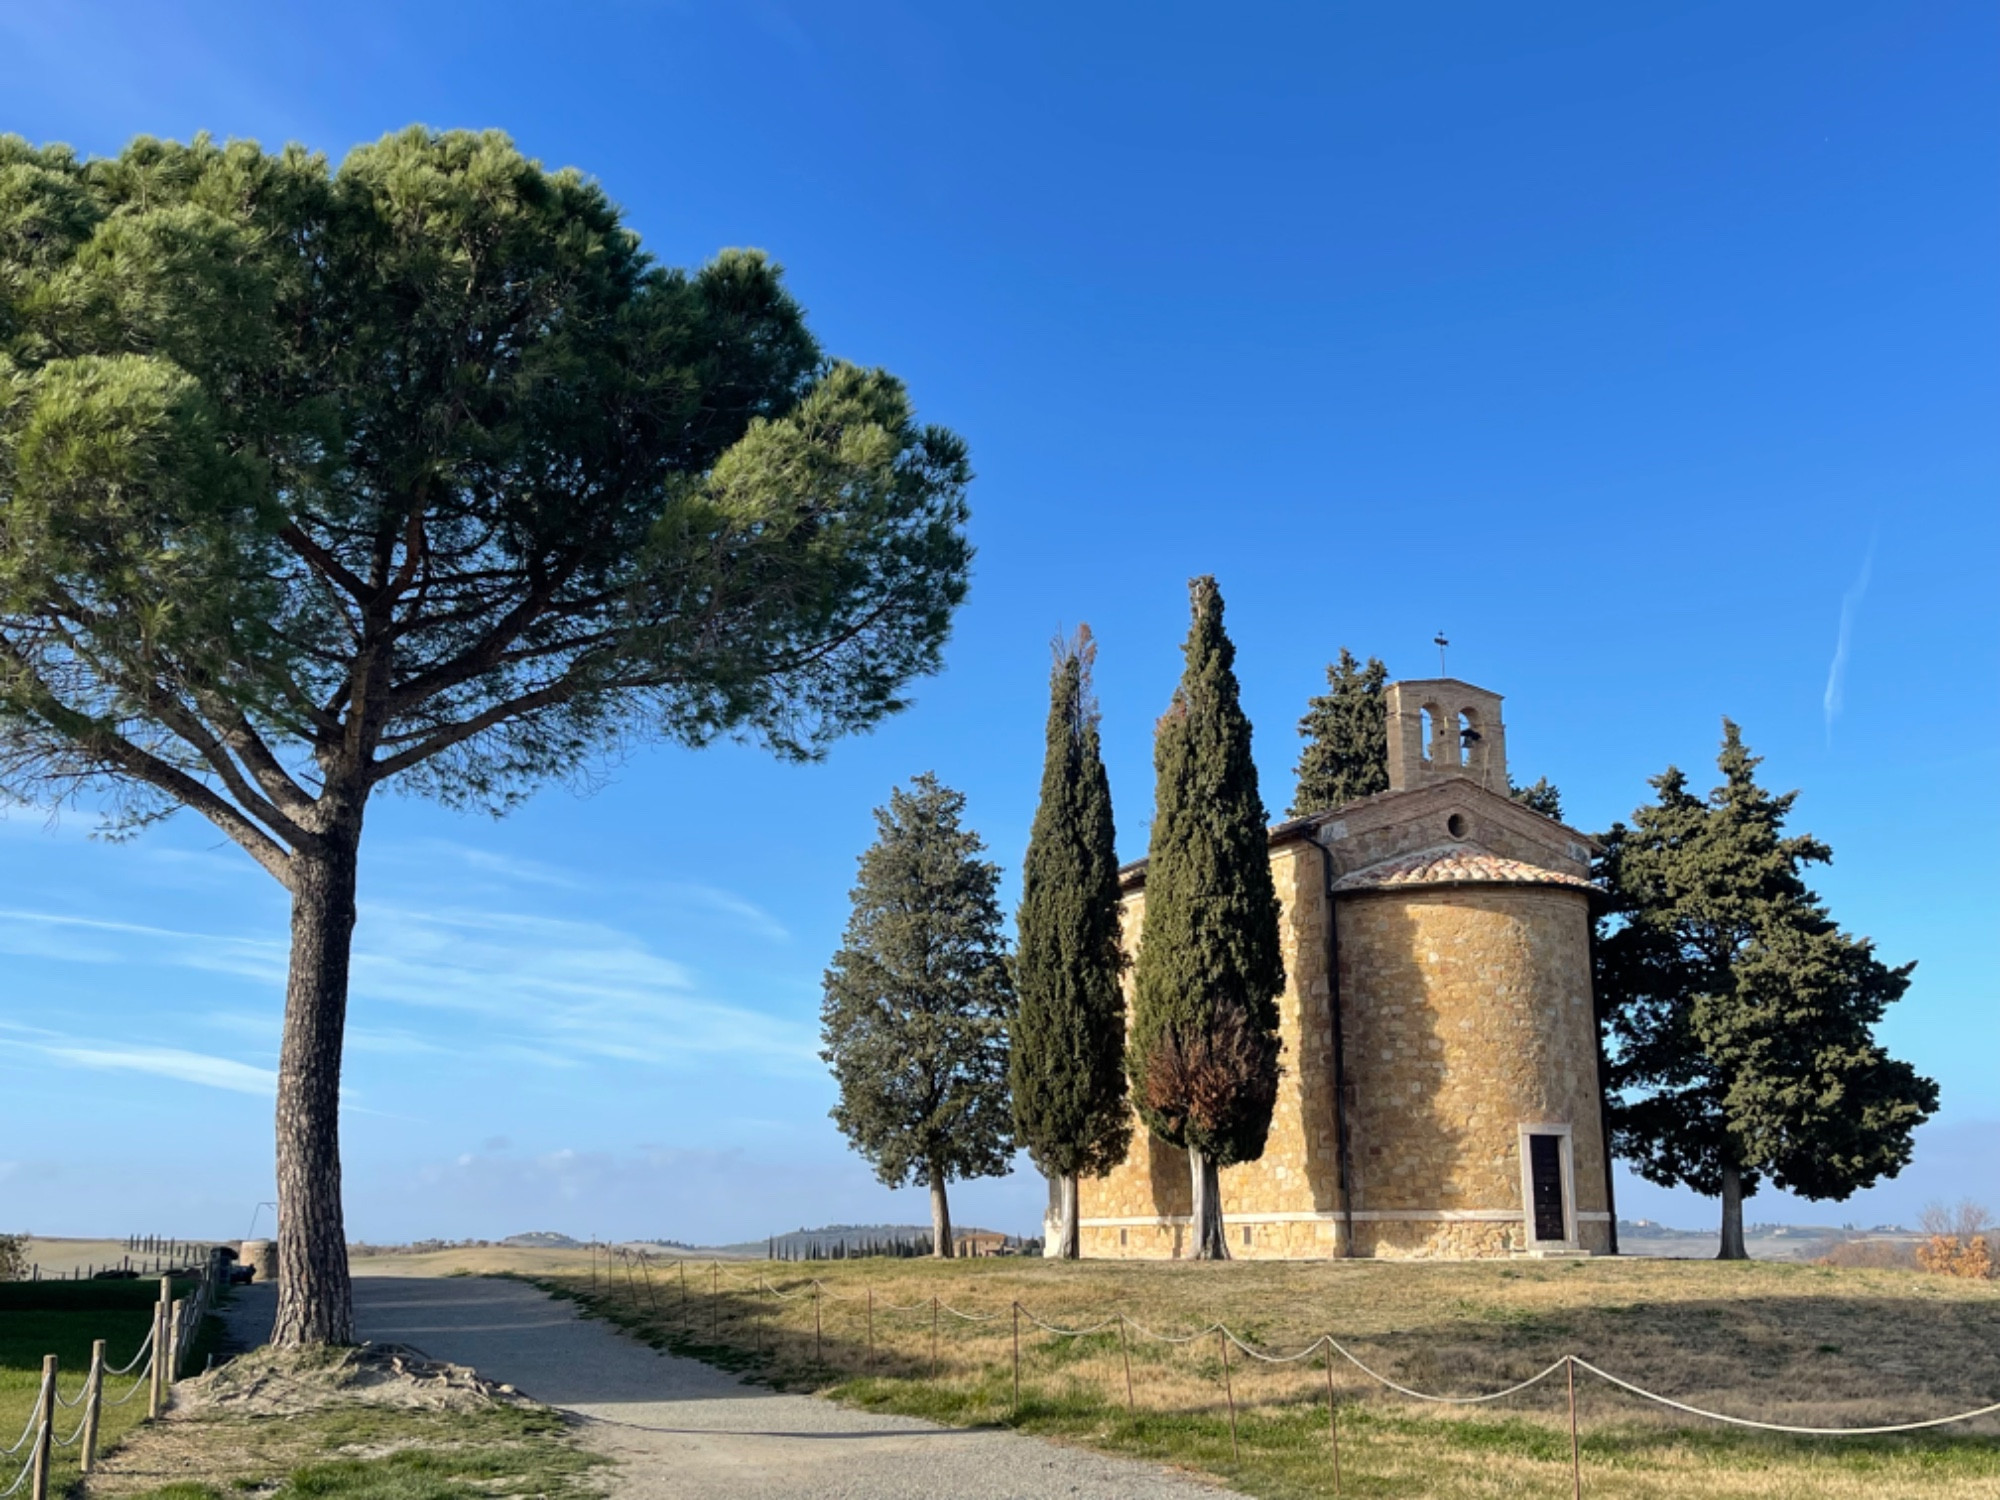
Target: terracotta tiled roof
1454,864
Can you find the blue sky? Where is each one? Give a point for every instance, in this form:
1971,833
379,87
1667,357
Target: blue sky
1650,351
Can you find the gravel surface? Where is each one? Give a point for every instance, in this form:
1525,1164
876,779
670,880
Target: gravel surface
681,1429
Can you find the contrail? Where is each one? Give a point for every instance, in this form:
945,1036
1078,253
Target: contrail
1850,606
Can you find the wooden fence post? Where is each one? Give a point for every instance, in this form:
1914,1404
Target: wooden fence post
871,1328
176,1316
45,1418
93,1405
1332,1420
1230,1391
933,1338
1125,1352
1017,1359
714,1304
156,1366
1575,1454
816,1353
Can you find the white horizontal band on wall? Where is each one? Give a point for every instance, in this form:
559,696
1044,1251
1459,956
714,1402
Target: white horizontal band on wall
1387,1215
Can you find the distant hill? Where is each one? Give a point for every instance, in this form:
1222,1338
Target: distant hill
542,1239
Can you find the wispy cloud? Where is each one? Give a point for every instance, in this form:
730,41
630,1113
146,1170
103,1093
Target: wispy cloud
1836,675
161,1062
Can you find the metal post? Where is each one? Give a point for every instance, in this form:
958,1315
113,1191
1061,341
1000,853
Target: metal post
1125,1351
45,1418
1575,1455
646,1265
871,1328
714,1305
687,1322
816,1358
1230,1391
93,1404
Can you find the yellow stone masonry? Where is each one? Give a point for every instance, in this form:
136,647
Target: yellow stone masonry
1465,1023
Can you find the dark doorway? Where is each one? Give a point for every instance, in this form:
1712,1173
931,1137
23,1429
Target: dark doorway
1546,1183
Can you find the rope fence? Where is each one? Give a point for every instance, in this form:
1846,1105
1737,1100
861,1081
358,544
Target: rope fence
159,1362
1325,1349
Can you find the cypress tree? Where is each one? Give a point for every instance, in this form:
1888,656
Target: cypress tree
1203,1056
1346,730
1741,1018
916,1003
1068,1042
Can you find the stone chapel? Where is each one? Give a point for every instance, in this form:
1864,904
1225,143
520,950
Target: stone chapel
1441,1094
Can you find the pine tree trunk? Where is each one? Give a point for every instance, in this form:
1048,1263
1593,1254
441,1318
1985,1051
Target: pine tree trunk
1066,1242
1209,1242
314,1305
941,1245
1732,1215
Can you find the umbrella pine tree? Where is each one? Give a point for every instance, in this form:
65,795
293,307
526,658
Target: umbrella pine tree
1203,1051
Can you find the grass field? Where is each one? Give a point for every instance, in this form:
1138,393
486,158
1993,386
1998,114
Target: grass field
353,1453
61,1318
1789,1343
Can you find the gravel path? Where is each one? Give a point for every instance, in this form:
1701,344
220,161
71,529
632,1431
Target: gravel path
680,1429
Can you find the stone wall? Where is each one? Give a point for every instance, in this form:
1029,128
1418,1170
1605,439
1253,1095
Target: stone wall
1467,1013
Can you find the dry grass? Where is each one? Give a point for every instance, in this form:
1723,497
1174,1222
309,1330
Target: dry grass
1808,1345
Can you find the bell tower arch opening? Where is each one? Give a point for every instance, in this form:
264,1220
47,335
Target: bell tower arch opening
1440,727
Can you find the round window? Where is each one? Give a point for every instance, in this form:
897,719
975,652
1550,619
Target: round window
1455,825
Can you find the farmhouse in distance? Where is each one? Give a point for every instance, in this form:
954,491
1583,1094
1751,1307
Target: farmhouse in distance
1442,1093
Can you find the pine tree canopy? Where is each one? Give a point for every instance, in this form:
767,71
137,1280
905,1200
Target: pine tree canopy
1068,1067
1346,730
1542,797
417,472
917,999
1740,1017
1203,1052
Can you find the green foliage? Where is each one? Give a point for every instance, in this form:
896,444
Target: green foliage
1068,1062
13,1256
1740,1017
917,999
422,471
1346,730
1543,797
1203,1054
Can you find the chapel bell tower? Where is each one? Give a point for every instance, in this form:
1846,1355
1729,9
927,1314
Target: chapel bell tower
1439,728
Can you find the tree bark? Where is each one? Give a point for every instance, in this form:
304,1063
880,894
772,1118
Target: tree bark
941,1243
314,1300
1065,1241
1208,1240
1732,1215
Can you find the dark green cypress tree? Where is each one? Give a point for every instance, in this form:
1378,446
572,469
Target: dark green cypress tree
1346,730
917,1000
1203,1055
1068,1042
1741,1018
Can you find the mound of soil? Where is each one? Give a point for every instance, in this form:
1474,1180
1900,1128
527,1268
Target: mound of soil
275,1382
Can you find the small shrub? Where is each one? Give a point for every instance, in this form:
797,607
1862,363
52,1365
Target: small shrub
13,1257
1867,1255
1956,1241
